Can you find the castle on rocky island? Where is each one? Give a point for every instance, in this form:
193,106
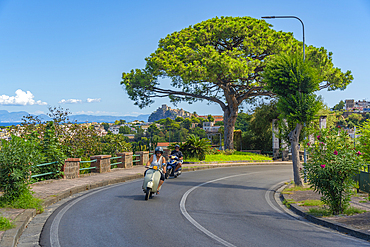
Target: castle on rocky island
167,112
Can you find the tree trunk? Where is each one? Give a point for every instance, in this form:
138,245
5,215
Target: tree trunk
294,141
230,115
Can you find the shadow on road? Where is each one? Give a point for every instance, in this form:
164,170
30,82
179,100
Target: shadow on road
134,197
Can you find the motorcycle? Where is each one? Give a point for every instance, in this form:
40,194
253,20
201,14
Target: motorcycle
151,181
171,166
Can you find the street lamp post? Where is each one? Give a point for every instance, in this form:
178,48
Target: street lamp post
288,16
295,17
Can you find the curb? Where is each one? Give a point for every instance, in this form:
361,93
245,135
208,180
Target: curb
12,236
326,222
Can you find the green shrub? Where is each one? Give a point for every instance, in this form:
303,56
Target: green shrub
363,143
332,164
194,147
16,158
5,224
51,151
25,200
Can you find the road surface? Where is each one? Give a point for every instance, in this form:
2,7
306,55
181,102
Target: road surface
217,207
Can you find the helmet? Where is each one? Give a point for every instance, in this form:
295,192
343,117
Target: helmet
177,146
158,149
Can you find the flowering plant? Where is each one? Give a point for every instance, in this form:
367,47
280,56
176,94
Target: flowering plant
332,164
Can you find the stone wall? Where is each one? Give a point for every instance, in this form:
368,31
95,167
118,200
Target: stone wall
144,157
71,168
102,163
126,159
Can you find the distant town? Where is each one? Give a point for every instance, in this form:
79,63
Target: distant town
137,129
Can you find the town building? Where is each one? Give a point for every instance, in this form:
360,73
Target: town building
210,127
361,105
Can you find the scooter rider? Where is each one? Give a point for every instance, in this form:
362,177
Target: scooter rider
158,160
179,155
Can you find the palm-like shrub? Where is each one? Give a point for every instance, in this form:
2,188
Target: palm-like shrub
194,147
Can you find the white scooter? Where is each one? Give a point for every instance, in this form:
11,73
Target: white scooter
151,181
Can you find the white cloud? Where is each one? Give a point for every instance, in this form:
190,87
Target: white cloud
70,101
93,100
20,98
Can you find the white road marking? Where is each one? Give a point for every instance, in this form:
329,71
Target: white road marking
194,222
54,228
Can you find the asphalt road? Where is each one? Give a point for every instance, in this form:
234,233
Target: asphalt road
216,207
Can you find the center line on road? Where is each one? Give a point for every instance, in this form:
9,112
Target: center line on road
194,222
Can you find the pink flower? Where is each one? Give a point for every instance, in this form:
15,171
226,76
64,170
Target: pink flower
318,137
335,152
358,153
308,144
300,168
322,166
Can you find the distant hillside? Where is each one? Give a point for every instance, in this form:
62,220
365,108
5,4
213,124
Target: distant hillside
16,117
166,112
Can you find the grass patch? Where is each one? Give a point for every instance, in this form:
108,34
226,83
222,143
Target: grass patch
232,157
311,203
26,200
326,212
288,202
297,188
319,212
353,210
286,192
6,224
363,201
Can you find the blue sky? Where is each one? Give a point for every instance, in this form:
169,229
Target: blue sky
72,53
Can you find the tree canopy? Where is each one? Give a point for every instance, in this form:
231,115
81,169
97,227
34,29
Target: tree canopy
220,60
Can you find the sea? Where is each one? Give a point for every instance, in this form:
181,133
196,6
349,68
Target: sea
9,124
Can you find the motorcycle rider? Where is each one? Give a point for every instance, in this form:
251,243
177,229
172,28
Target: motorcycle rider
158,160
179,155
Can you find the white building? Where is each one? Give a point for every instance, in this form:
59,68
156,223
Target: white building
210,127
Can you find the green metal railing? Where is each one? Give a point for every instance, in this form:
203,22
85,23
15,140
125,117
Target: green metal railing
116,163
82,162
87,168
46,173
136,160
363,179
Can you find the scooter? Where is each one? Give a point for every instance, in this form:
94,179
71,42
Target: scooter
171,166
151,181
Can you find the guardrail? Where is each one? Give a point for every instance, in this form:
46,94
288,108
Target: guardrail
363,179
116,163
136,160
87,168
73,167
46,173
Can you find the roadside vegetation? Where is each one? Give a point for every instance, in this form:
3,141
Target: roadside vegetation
25,200
237,156
5,224
316,207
